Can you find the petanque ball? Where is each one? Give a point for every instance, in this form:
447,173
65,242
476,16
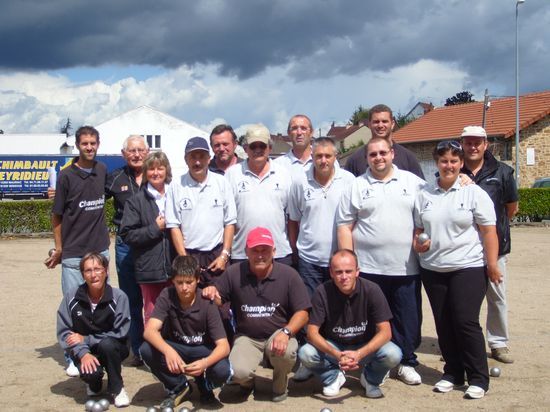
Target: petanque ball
97,407
167,409
89,405
495,372
184,409
50,252
423,238
151,409
104,404
325,409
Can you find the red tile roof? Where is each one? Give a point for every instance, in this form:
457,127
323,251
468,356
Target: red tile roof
341,132
448,122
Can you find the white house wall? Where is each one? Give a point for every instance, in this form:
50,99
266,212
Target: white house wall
31,144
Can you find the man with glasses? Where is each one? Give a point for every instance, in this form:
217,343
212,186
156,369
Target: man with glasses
300,131
261,189
381,124
497,179
375,219
223,142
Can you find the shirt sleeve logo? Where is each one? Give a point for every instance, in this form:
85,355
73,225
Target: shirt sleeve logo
243,186
185,204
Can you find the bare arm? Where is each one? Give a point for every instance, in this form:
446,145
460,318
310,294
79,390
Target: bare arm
211,293
296,322
219,264
293,231
55,258
345,239
177,241
198,367
315,338
511,209
490,246
152,335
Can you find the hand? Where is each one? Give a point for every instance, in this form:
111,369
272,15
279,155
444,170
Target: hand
88,363
161,222
74,339
465,180
218,265
174,362
55,259
421,247
196,368
349,360
51,192
493,272
279,344
211,293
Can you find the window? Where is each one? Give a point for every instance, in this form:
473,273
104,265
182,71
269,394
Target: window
506,151
153,140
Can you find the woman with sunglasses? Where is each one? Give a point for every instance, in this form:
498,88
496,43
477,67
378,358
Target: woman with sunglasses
456,260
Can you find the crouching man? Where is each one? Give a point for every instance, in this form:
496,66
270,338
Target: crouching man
93,322
185,336
349,328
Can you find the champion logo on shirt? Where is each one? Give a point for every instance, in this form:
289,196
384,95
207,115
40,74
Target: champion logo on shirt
260,311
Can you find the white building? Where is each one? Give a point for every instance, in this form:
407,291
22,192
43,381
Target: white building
34,144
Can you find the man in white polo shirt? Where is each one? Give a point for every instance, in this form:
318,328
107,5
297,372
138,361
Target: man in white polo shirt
261,189
375,218
200,211
300,131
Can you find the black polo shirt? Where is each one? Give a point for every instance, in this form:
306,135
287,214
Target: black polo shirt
199,324
213,167
349,319
262,306
80,200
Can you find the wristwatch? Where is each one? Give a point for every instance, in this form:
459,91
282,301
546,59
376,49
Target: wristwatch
287,332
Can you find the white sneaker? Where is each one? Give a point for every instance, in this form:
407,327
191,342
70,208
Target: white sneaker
72,370
371,391
444,386
334,388
408,375
122,399
474,392
302,374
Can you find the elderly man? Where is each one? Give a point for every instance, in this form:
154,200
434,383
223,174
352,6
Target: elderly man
78,217
349,328
375,218
300,131
381,124
497,179
121,185
92,325
200,212
261,189
270,304
223,141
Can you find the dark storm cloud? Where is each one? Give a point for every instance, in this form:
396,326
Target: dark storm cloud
320,38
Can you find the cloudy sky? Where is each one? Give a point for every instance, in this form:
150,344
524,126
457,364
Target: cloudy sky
247,61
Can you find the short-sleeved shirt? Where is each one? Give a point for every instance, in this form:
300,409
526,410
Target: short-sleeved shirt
213,167
262,306
450,218
260,202
349,319
201,210
383,219
199,324
289,159
80,200
314,206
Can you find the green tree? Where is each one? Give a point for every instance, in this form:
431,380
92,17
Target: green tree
359,114
460,98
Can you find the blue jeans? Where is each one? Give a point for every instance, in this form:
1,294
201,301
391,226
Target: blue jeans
127,283
312,275
71,278
375,365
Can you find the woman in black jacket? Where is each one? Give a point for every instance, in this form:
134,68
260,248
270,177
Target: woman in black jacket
144,229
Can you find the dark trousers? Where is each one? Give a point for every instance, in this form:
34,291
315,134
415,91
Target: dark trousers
455,298
312,275
403,294
216,375
127,283
110,352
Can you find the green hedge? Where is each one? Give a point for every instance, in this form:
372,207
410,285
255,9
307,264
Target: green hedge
33,216
534,204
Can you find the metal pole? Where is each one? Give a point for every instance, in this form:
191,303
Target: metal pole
485,107
518,2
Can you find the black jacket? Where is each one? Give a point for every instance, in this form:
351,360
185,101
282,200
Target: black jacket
151,247
497,179
121,185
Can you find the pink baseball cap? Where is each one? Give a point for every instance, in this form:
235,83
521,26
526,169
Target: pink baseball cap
259,236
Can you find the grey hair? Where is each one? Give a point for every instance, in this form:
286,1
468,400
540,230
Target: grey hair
134,137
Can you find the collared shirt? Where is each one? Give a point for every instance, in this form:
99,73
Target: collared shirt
262,306
349,319
200,324
260,202
382,214
201,210
160,199
314,207
289,159
213,167
450,218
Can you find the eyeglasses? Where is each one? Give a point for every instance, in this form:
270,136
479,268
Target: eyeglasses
136,151
97,271
449,144
257,146
382,153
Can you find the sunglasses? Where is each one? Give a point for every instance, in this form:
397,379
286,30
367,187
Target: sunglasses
449,144
382,153
257,146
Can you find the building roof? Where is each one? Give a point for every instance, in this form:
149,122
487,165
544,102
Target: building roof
447,122
341,132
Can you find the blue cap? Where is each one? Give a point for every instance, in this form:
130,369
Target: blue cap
197,143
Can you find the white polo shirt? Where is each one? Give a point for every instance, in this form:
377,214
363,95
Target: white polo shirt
201,210
450,218
314,206
288,160
382,214
260,202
